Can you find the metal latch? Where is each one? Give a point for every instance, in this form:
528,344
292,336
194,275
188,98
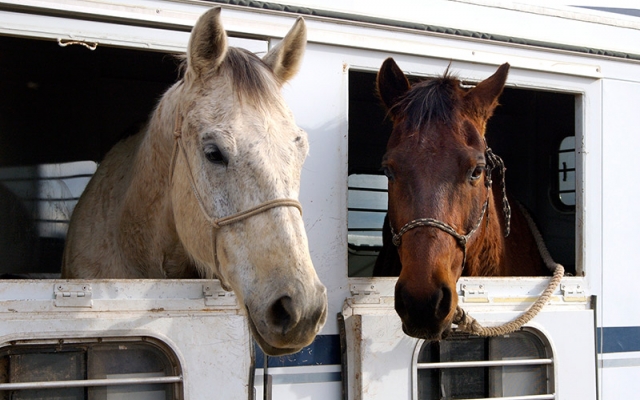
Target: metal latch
573,293
215,295
474,294
73,295
365,293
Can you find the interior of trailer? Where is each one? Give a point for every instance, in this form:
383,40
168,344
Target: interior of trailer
532,130
61,111
63,108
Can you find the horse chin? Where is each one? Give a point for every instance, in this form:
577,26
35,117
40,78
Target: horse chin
428,335
266,347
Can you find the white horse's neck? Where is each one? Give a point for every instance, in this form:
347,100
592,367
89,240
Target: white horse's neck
148,199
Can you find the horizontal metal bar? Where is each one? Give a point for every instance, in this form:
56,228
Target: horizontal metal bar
89,382
530,397
51,221
372,210
366,189
49,199
39,178
478,364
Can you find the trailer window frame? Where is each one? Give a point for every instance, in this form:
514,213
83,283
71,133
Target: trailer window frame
524,129
493,369
96,366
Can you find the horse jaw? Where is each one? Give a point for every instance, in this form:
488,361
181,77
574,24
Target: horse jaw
277,284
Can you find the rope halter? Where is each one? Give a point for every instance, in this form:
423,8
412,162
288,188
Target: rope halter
493,161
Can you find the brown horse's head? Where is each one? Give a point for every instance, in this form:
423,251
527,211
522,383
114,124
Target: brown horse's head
436,166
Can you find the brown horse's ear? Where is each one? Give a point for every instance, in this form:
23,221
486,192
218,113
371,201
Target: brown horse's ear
207,44
484,97
286,57
391,83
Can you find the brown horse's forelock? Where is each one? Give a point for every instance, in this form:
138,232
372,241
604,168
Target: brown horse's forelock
430,101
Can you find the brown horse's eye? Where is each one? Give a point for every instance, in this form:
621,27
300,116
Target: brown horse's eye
214,155
476,173
388,172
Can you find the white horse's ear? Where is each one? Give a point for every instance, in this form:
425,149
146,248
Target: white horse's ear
208,43
285,58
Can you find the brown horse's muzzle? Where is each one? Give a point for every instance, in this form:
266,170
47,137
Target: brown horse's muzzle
425,314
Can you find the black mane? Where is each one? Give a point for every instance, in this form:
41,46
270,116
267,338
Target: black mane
432,100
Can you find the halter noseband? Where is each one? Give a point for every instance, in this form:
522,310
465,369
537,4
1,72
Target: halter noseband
217,223
492,162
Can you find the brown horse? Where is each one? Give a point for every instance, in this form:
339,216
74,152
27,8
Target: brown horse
209,188
445,218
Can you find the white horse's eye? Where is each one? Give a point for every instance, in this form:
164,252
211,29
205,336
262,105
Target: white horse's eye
214,155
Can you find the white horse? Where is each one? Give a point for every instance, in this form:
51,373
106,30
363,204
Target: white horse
209,188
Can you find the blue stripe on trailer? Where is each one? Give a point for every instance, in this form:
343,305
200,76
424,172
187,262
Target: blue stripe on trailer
325,350
618,339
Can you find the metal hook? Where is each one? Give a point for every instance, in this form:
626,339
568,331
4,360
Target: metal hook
89,45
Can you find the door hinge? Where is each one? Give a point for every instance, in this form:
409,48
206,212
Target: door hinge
474,294
215,295
573,293
365,293
73,295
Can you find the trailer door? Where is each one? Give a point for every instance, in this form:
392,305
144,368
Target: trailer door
544,360
143,339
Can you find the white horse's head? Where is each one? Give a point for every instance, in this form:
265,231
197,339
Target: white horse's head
240,148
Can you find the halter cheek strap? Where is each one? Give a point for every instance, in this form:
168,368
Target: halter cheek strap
462,240
217,223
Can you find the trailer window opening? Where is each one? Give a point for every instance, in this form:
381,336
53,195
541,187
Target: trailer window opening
567,172
101,368
56,123
367,199
519,364
525,131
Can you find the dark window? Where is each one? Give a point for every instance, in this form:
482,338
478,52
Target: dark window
54,116
525,131
140,368
367,208
463,367
567,172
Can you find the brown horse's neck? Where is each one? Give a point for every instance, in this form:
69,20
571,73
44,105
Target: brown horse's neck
485,252
493,254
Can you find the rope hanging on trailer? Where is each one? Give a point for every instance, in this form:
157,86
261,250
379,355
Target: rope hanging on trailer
468,324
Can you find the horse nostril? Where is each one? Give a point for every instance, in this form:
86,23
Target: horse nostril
436,306
281,314
443,303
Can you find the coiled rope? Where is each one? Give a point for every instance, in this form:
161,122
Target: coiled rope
468,324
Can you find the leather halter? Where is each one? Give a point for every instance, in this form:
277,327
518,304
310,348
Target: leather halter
217,223
492,162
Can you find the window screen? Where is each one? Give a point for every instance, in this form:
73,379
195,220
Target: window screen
463,367
367,208
567,171
93,369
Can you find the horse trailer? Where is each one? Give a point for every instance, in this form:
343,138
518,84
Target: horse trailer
78,75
